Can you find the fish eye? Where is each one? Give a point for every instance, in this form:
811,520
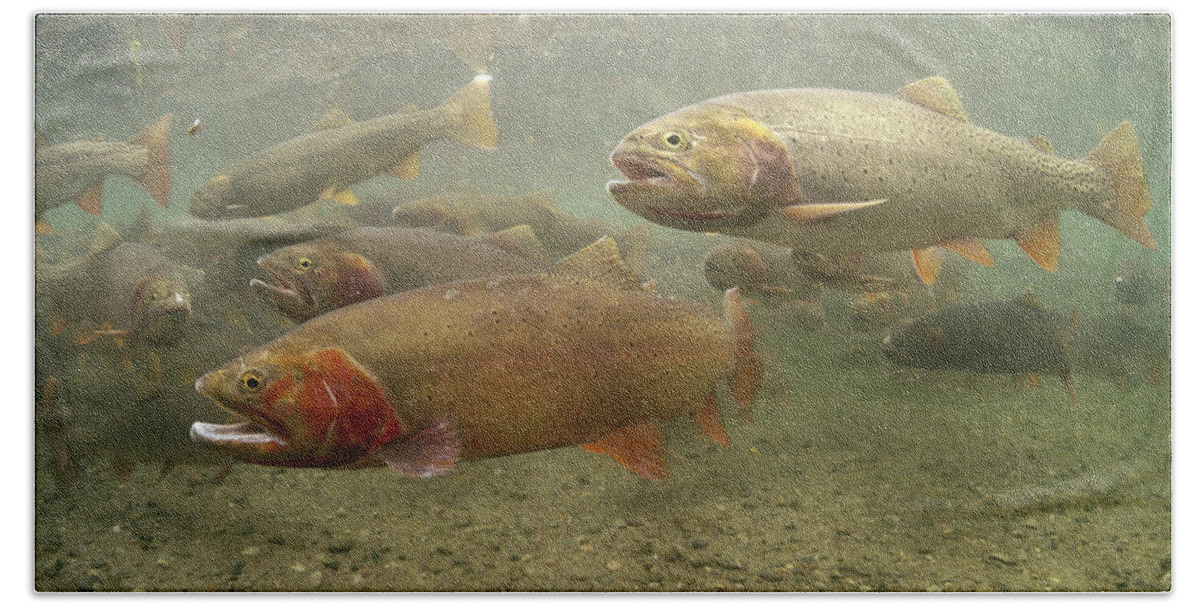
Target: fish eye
304,263
673,139
251,381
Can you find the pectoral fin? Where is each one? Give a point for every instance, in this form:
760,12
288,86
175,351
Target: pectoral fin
431,452
815,212
638,447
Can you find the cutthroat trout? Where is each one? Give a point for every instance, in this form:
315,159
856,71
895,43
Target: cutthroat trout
338,153
318,276
844,172
75,171
485,368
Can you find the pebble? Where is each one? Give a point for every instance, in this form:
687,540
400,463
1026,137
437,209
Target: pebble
613,565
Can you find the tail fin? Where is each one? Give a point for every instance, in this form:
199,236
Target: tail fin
156,179
1120,157
474,104
747,365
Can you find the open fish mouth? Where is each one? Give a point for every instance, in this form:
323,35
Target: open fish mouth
292,298
235,436
252,434
637,168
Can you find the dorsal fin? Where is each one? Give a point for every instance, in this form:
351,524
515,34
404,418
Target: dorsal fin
334,119
936,94
599,262
1042,144
543,198
519,240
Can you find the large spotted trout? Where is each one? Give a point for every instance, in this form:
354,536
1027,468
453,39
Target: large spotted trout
423,379
844,172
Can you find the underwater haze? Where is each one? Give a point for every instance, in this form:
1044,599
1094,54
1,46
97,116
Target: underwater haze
851,468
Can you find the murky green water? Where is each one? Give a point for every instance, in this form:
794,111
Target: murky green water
852,474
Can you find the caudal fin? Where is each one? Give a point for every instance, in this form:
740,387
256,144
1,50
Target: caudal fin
1120,157
747,365
156,179
473,103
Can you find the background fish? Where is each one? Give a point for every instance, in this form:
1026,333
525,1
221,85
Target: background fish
1013,337
327,161
75,171
848,172
318,276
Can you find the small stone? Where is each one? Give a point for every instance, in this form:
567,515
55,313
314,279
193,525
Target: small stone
341,545
1002,558
613,565
699,543
249,551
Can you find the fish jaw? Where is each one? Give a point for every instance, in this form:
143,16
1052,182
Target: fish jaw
665,192
291,297
318,409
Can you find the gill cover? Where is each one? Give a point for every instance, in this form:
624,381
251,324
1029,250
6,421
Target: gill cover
322,409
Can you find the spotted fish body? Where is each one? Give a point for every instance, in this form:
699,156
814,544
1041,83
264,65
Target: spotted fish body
483,368
837,171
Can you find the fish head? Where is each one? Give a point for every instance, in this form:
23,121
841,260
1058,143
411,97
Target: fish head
920,343
735,265
160,309
703,168
313,408
316,277
215,200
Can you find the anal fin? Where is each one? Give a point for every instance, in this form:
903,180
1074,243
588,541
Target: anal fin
928,262
971,248
638,447
1042,241
408,168
341,197
709,419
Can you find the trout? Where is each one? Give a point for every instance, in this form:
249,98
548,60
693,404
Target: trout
318,276
846,172
338,153
75,171
1015,336
484,368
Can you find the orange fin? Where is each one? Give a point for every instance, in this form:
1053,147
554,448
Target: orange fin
1042,241
409,167
971,248
638,447
747,365
431,452
41,226
928,262
1120,157
156,179
341,197
91,200
473,103
709,419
